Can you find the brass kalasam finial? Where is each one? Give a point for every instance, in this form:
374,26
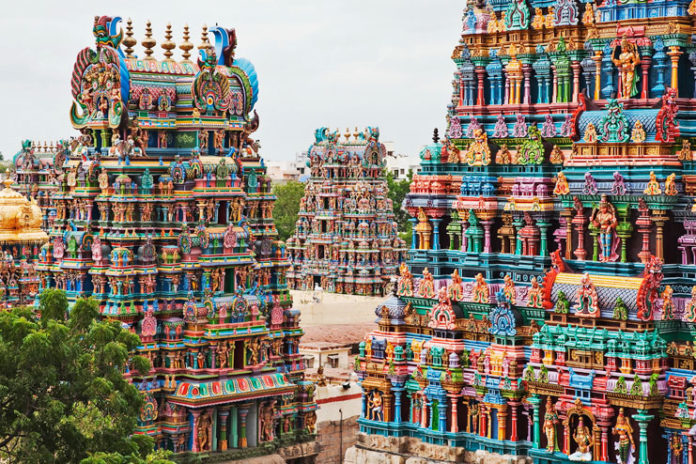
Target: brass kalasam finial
205,43
356,133
129,41
347,133
186,46
149,42
168,45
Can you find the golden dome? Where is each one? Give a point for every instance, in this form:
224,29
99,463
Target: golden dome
20,219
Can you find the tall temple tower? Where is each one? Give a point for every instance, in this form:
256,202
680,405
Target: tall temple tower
164,216
547,310
346,238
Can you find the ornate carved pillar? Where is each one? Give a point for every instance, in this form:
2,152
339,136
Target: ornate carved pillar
442,416
554,85
674,54
397,404
436,234
575,66
414,237
543,243
502,422
659,218
487,222
645,60
644,228
579,223
243,412
567,213
223,414
424,412
508,91
480,72
604,450
513,417
534,400
643,418
527,70
194,426
454,425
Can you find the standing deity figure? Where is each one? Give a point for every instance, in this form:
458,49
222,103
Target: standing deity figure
583,439
638,132
481,292
455,289
690,310
626,62
426,287
509,289
625,443
653,187
535,295
587,297
405,284
667,304
550,421
604,219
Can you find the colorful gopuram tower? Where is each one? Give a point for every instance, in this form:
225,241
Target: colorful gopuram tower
547,309
346,238
163,216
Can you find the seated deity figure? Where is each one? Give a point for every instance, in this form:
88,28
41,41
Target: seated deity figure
478,153
583,438
455,289
653,187
586,294
604,219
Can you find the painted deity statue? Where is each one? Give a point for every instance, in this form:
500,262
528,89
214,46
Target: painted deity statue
690,311
561,187
667,304
426,287
455,289
626,62
535,295
509,289
550,421
478,153
583,438
653,187
671,185
481,291
405,284
604,219
625,443
638,132
587,298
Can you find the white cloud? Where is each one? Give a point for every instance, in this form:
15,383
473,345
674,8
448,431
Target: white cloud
320,63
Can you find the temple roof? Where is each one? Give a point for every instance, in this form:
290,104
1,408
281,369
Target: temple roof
20,219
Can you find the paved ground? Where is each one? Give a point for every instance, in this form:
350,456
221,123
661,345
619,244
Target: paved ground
330,309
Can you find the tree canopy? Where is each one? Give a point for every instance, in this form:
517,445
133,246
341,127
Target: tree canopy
63,396
287,206
397,193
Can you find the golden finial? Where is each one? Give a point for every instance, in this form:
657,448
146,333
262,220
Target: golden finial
149,42
168,45
186,46
347,134
356,133
129,42
205,43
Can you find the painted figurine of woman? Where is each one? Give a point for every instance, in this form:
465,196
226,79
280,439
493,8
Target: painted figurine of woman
626,62
625,443
550,421
604,219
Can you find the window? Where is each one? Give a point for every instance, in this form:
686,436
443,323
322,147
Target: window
333,360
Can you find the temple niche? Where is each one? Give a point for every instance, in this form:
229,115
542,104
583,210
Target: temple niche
546,310
346,238
162,212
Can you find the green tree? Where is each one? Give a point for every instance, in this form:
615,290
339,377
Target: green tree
287,206
397,193
63,396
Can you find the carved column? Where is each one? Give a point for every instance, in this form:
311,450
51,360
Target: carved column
480,73
513,418
534,400
508,100
442,416
194,426
554,88
643,418
575,66
674,53
659,218
579,223
645,60
604,449
527,70
243,412
502,422
223,414
597,58
543,243
644,228
518,242
424,412
436,234
567,213
454,426
487,222
414,237
397,404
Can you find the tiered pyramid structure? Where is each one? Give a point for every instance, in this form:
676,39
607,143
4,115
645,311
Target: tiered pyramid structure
547,308
346,238
164,216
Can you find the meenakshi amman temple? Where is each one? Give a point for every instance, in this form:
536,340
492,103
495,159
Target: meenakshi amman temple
161,209
547,310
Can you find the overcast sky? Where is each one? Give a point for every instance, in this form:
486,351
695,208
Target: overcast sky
320,63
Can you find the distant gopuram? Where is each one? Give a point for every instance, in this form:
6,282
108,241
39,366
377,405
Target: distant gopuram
346,238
